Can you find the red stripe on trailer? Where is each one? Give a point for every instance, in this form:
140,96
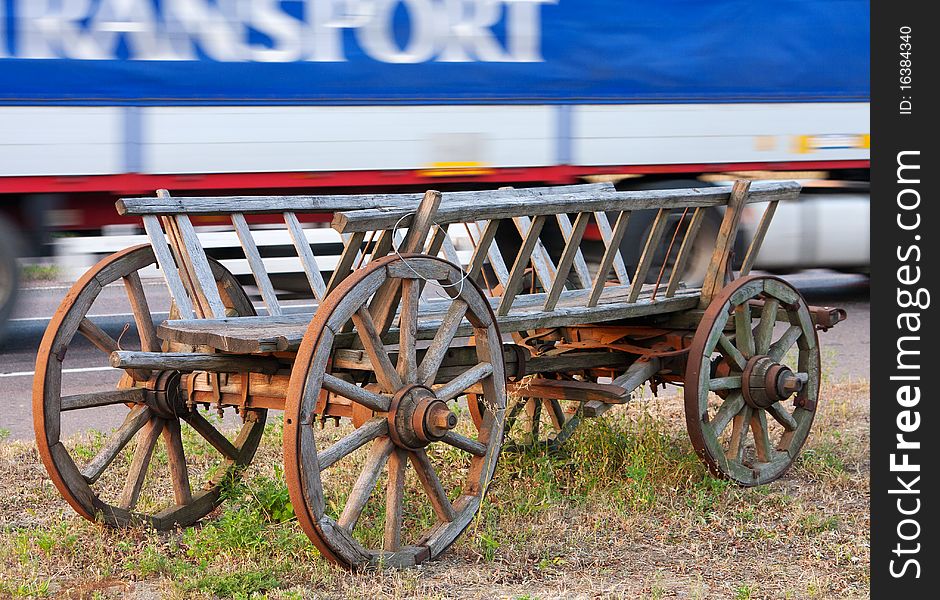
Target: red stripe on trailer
138,183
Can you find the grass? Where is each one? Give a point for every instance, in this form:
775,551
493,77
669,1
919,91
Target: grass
626,510
40,272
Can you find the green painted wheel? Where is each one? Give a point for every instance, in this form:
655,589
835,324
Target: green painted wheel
752,380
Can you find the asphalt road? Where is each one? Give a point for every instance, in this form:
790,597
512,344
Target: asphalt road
847,345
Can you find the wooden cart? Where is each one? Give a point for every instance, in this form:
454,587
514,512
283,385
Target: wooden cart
422,348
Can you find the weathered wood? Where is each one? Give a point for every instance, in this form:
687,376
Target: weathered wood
484,249
637,374
541,261
135,419
359,495
686,249
201,270
568,256
165,259
176,458
256,265
464,443
649,251
717,268
580,265
493,207
459,384
494,255
612,251
212,435
355,393
394,500
140,463
758,238
352,251
620,269
432,485
385,372
443,338
223,205
149,342
520,265
596,408
353,441
307,259
189,362
579,391
108,398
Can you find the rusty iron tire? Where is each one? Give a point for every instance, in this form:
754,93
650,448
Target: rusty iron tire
61,463
747,407
390,438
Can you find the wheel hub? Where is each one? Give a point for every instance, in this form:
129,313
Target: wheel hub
765,381
417,417
166,395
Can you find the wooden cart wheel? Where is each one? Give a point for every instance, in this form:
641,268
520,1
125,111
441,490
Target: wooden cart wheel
741,372
110,486
421,512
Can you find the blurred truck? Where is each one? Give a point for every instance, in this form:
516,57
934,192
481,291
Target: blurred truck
102,98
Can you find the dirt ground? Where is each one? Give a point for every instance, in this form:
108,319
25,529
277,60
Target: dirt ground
626,512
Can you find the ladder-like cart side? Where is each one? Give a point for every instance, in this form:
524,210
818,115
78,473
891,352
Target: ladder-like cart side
404,327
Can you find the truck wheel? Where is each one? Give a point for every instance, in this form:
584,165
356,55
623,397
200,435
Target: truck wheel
9,271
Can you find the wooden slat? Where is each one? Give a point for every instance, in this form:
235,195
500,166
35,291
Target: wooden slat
201,271
603,225
649,251
307,259
352,252
715,276
613,251
580,265
493,207
149,342
450,252
519,266
482,251
386,297
685,251
223,205
568,256
494,255
758,240
541,261
255,264
165,259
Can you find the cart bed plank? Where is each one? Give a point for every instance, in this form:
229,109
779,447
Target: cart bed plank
251,335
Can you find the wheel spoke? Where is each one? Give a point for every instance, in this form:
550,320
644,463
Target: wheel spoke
744,336
725,383
384,370
140,463
786,341
365,483
353,441
729,408
149,342
107,344
136,419
555,412
441,343
394,500
739,434
432,485
179,472
355,393
534,408
408,330
212,435
728,349
109,398
765,329
761,436
464,443
463,381
779,412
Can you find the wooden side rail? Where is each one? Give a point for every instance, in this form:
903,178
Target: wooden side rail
185,266
678,219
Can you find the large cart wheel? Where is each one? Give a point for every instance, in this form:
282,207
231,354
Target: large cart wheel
122,488
760,379
420,512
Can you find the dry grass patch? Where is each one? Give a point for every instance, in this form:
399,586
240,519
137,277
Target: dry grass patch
625,511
